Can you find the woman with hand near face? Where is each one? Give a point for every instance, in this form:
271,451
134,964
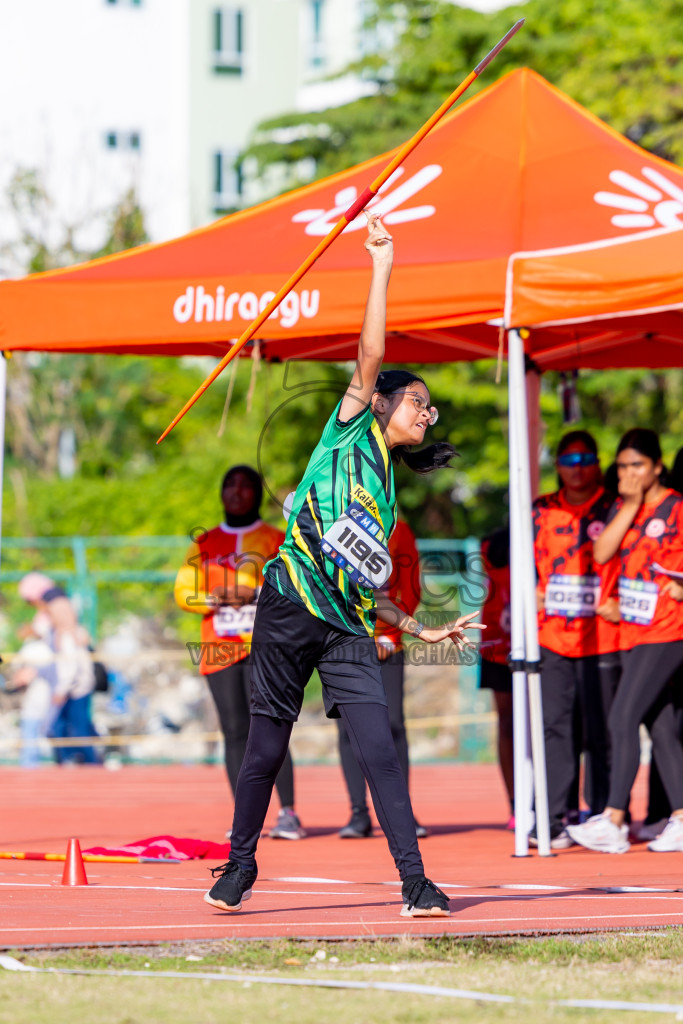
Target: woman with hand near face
578,627
645,530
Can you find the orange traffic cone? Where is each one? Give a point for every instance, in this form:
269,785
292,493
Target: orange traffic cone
74,869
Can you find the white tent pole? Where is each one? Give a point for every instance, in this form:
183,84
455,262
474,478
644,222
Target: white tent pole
520,716
533,395
528,581
3,395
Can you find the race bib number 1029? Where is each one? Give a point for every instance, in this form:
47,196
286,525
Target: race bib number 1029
354,543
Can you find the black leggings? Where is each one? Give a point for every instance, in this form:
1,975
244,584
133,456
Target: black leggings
646,694
371,740
572,687
231,691
392,677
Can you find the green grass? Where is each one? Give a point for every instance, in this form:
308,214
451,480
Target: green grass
637,967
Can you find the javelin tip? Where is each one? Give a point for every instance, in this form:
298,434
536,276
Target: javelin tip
499,46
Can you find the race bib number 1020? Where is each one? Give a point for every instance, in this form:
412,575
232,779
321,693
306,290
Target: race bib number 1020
572,597
355,543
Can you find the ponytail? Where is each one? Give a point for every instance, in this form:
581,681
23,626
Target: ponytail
424,460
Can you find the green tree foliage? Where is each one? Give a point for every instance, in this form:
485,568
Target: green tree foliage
612,56
617,57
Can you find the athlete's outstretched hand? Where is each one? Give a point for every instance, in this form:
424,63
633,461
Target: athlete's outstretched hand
379,242
454,630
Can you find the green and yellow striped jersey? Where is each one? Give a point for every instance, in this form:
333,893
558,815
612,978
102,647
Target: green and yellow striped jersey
351,460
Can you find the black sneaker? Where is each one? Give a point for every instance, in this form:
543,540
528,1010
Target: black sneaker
359,827
233,885
421,898
420,831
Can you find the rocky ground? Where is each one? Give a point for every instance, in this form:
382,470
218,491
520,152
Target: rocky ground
158,708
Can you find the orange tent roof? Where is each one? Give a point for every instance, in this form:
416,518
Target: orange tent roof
519,167
610,303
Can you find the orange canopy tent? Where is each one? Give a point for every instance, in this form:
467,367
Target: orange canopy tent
514,171
607,303
518,168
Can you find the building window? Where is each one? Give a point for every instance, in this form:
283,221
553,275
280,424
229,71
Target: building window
316,51
228,39
227,180
123,140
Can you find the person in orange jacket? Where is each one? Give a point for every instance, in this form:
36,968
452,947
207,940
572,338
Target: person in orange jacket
578,629
404,589
220,580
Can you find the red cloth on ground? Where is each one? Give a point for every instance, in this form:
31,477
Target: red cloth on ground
172,847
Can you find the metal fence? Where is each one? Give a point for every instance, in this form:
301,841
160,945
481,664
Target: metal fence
93,570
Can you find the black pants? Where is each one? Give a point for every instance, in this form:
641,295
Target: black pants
591,682
658,805
647,694
371,740
231,691
393,678
288,643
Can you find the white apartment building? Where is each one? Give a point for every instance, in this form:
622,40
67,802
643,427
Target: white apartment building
96,99
158,95
252,60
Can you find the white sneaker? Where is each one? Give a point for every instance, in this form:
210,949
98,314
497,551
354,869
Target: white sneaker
600,833
671,839
651,831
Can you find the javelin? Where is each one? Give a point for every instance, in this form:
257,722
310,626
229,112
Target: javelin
94,858
361,202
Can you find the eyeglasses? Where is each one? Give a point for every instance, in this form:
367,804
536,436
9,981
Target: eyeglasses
577,459
421,405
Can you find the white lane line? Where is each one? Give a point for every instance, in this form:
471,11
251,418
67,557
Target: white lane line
11,964
97,887
550,888
579,896
654,894
314,881
442,922
177,888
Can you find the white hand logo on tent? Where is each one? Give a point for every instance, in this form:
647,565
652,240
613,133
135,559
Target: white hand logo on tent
667,197
386,204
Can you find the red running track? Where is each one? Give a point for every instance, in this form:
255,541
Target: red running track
321,887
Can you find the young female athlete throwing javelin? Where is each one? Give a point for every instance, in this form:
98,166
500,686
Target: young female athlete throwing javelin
321,597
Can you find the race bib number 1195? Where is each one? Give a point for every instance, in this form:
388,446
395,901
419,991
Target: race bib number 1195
353,543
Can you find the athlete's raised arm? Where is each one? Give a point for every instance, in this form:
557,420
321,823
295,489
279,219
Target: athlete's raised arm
372,336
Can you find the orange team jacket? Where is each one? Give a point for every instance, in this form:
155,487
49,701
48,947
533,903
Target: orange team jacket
224,557
403,586
495,614
655,536
572,582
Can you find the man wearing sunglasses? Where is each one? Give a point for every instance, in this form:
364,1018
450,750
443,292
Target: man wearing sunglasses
578,624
